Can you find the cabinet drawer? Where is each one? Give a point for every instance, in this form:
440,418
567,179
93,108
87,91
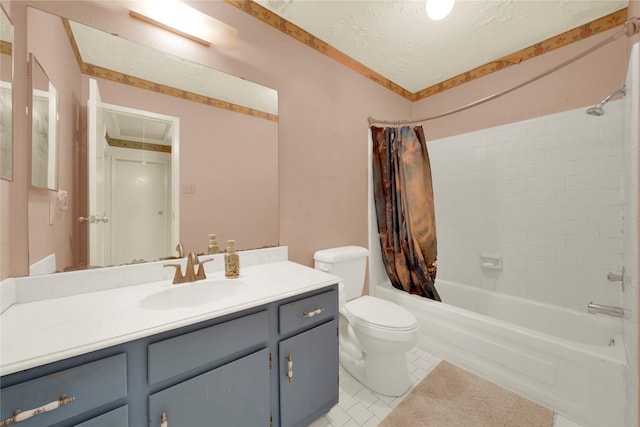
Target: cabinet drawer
92,385
308,311
116,418
183,353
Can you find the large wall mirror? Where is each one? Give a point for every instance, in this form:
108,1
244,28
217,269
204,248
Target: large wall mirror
6,80
152,150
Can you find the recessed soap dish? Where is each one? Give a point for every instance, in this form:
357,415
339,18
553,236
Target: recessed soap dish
491,261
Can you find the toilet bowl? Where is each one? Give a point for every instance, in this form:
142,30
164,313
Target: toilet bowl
374,334
383,332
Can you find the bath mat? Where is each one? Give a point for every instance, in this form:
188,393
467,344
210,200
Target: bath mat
452,397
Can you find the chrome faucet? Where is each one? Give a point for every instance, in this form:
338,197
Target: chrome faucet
605,309
190,274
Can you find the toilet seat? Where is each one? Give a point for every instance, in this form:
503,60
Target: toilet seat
379,314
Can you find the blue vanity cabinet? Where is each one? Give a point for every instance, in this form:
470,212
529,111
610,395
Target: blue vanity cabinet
308,358
226,371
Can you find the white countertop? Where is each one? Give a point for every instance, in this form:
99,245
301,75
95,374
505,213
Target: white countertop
45,331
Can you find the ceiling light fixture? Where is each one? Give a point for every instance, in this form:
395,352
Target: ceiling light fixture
438,9
177,17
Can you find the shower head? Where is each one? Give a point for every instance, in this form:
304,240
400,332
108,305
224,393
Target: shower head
598,109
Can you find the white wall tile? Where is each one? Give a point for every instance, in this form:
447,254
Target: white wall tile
546,194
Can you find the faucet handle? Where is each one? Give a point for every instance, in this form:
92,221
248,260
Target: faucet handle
192,260
614,277
200,275
177,278
180,250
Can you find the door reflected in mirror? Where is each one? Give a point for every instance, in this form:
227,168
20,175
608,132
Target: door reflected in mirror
6,81
44,128
133,167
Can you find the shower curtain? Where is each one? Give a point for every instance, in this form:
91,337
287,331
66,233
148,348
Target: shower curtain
403,195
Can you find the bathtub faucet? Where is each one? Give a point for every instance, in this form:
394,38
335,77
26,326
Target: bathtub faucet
605,309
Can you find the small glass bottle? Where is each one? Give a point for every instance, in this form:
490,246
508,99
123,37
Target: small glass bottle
231,261
213,245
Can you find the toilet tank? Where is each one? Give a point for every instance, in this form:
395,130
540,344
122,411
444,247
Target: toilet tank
347,262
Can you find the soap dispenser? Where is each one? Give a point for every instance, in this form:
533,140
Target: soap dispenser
213,245
231,261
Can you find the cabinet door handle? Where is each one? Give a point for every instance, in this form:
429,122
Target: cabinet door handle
306,314
290,367
19,415
163,420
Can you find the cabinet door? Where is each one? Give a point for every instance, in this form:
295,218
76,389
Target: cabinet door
235,394
308,374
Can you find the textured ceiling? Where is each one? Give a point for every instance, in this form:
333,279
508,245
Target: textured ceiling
396,39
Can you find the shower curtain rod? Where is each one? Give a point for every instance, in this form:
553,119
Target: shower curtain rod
631,27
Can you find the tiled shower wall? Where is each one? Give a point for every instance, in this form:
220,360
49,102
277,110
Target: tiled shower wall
545,195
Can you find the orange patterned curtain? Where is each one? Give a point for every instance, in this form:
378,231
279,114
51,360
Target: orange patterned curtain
403,195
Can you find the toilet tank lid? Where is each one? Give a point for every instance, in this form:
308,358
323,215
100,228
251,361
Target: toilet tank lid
340,254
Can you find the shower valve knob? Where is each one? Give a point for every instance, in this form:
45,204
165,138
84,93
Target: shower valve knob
613,277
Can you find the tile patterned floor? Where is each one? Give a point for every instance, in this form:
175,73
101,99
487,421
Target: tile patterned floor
360,407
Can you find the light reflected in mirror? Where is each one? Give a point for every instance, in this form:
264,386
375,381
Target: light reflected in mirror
224,178
6,81
44,128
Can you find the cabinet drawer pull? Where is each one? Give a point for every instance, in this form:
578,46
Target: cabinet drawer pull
19,415
163,420
306,315
290,368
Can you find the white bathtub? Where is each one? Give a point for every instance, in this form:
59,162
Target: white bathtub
559,358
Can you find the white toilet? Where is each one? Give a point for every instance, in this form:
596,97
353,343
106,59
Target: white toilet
374,334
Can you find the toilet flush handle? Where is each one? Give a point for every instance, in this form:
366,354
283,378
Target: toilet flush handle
322,266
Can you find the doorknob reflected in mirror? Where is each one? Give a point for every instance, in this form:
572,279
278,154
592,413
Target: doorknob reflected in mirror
103,218
93,219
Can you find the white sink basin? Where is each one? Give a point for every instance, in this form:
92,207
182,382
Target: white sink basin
193,294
